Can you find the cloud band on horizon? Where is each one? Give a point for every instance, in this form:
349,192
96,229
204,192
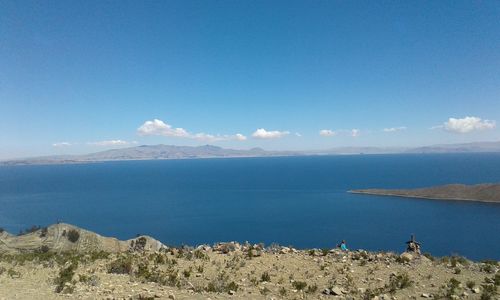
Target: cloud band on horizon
158,127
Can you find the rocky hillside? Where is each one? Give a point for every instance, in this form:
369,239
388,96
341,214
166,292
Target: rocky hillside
65,237
479,192
227,271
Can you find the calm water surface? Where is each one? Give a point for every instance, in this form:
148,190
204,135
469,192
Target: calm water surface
299,201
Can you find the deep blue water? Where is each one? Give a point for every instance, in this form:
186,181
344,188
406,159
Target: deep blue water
299,201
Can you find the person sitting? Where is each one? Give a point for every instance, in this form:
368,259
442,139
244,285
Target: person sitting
342,246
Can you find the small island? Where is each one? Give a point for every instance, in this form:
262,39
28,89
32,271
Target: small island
480,192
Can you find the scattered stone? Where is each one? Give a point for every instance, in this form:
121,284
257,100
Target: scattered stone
336,291
425,295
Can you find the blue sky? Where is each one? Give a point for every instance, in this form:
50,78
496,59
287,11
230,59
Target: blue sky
84,76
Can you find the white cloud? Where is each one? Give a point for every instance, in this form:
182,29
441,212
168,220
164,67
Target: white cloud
112,143
467,124
355,132
261,133
240,137
394,129
158,127
298,134
62,144
327,132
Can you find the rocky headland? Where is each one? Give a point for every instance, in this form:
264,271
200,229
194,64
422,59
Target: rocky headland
66,262
479,192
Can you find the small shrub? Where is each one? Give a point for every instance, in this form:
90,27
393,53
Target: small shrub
65,275
488,266
311,289
282,291
13,273
232,286
99,255
200,269
299,285
470,284
265,277
496,279
120,266
457,270
325,251
220,284
199,254
187,273
43,232
399,282
43,249
73,235
489,291
451,288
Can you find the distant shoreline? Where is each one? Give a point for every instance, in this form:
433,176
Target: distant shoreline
418,197
486,193
164,152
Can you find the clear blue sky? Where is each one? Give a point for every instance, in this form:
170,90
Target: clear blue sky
83,76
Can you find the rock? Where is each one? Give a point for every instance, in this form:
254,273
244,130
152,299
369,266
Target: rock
171,296
231,292
327,292
476,290
284,250
406,256
336,291
425,295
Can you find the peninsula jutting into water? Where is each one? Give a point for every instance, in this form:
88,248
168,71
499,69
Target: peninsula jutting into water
478,192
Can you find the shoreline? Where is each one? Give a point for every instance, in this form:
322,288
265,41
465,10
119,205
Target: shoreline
373,193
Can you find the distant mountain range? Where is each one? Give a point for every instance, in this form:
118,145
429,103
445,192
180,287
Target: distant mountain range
151,152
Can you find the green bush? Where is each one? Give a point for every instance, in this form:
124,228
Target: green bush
121,266
265,277
470,284
65,275
73,235
399,282
311,289
299,285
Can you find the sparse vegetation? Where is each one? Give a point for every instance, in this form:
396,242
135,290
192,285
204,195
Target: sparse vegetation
265,277
65,276
294,274
399,282
121,266
299,285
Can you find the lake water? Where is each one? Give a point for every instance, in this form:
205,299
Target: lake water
299,201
